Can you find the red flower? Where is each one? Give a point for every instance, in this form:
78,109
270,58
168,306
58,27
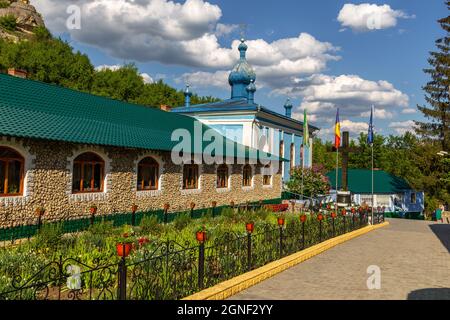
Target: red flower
142,241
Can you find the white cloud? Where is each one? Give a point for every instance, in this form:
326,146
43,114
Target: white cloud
323,94
182,34
379,114
104,67
402,127
200,79
225,29
353,127
367,17
409,111
147,78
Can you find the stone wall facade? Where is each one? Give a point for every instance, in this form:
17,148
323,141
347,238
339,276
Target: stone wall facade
48,183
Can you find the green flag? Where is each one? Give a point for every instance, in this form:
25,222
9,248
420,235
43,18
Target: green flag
305,130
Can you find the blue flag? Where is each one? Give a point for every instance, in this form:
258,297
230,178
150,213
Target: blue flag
370,134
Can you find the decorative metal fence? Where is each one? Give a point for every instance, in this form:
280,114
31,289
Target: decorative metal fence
171,271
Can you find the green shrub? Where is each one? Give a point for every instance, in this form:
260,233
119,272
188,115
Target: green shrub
42,33
25,265
104,228
49,237
4,4
182,221
150,224
228,213
8,22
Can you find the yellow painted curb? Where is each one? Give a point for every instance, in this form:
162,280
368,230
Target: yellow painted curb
233,286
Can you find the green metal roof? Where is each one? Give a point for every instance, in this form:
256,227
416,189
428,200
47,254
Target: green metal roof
39,110
360,181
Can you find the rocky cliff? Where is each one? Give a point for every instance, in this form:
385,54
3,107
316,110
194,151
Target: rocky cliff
26,19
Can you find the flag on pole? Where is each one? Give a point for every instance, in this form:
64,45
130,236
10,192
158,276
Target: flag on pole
305,130
337,132
370,134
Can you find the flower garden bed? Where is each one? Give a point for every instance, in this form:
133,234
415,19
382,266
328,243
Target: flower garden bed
167,261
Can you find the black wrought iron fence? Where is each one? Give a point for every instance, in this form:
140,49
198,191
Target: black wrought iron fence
171,271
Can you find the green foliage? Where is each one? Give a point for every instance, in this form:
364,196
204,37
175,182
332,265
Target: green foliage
41,33
437,91
182,221
104,228
4,4
8,22
308,181
48,237
150,224
15,263
322,154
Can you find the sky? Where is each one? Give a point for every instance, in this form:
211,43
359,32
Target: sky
323,55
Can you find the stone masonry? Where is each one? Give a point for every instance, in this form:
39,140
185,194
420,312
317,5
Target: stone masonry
48,183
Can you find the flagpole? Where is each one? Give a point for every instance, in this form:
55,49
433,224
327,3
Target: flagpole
373,142
373,199
303,169
337,176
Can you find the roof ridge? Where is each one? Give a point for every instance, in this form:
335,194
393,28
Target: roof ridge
54,85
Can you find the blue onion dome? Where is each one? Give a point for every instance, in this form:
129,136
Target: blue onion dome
288,104
187,92
243,72
251,87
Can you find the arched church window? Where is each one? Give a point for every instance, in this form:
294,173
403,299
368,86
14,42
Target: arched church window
148,174
247,176
190,176
222,176
88,173
11,172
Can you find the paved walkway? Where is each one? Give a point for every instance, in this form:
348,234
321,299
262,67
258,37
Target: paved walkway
414,258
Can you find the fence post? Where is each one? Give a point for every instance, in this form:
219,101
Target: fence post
320,231
353,222
281,242
214,205
39,222
303,234
334,228
122,285
249,251
166,212
133,214
201,265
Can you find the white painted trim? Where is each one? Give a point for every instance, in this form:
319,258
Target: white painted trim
107,183
29,166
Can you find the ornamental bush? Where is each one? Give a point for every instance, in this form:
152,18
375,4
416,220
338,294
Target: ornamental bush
314,181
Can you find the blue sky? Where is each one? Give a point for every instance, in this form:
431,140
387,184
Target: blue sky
322,54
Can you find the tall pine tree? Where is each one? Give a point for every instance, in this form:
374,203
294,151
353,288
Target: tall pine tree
437,91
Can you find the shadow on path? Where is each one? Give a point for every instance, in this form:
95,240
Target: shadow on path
430,294
442,231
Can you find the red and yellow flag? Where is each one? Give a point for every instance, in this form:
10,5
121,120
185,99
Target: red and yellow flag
337,132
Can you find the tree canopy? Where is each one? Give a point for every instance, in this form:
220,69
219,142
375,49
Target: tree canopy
437,90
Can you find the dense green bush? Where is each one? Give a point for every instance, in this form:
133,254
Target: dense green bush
8,22
49,237
4,4
150,224
182,221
